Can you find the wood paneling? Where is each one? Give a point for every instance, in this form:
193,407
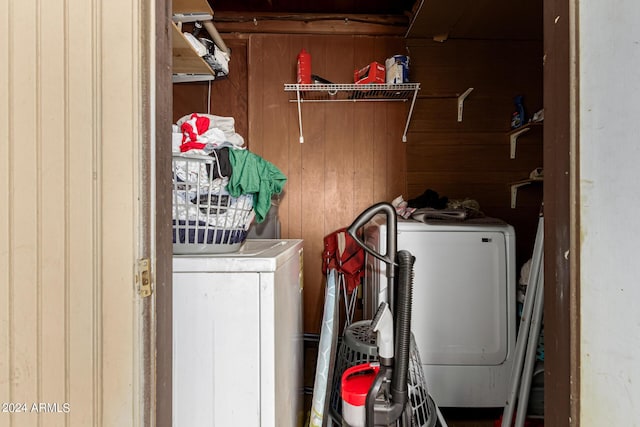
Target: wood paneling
470,159
228,94
189,98
363,117
382,7
352,155
328,24
479,19
465,156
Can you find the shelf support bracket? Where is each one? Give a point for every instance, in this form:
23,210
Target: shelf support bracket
516,185
406,126
461,99
300,116
513,139
514,192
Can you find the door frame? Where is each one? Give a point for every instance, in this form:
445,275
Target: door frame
560,200
561,197
162,271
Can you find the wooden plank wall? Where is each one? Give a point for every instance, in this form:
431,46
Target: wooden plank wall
228,94
352,156
470,159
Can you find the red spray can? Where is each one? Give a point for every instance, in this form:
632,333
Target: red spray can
304,68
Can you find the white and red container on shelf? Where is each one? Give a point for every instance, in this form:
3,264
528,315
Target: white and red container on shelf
304,67
356,382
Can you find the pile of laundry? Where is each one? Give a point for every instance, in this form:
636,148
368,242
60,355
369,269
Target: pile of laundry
431,206
233,175
200,198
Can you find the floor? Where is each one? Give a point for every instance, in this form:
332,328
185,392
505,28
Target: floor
456,417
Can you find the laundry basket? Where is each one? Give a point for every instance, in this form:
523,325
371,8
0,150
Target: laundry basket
206,219
358,346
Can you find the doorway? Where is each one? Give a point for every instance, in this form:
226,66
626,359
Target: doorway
560,289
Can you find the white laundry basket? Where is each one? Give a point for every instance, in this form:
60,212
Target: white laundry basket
206,219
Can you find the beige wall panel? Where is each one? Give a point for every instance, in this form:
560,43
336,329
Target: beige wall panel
23,218
5,199
70,134
118,155
51,208
82,116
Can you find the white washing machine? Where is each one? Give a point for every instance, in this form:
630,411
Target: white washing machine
464,305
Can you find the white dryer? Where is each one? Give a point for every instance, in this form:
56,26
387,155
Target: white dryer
238,337
464,305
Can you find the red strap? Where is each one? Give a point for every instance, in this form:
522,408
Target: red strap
350,263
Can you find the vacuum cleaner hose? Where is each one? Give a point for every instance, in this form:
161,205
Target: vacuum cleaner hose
403,327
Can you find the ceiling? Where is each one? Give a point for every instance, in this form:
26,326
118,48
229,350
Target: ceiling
374,7
478,19
437,19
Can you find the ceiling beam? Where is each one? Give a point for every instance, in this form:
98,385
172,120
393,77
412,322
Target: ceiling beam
311,23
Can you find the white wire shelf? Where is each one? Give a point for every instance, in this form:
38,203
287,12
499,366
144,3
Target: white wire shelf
353,93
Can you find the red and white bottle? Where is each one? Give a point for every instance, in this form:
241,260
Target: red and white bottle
304,68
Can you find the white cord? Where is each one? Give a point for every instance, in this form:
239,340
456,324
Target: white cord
209,99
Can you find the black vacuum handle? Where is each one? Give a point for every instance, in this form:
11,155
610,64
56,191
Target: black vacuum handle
392,224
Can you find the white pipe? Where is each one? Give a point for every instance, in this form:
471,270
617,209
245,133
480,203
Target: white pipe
215,36
413,19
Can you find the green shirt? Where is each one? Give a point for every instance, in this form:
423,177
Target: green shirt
253,174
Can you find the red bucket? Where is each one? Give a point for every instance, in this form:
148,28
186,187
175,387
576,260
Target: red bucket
356,382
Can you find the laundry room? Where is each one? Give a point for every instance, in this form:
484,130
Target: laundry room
458,143
445,234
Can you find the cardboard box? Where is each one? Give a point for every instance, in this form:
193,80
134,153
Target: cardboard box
397,69
372,73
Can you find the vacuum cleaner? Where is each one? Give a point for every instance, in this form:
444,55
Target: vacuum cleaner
397,393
